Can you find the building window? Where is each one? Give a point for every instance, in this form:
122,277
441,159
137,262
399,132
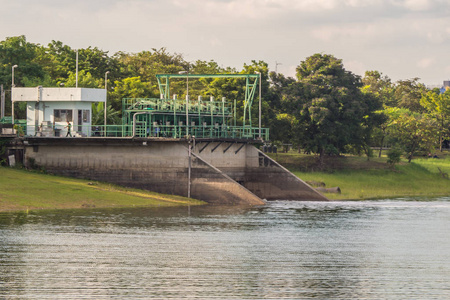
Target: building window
63,115
86,116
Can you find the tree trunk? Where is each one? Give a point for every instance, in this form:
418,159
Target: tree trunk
321,157
381,146
441,136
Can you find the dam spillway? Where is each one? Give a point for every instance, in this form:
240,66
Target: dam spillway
216,171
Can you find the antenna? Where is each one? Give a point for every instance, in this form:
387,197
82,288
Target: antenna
276,66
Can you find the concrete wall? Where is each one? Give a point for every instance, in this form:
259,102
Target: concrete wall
156,166
220,173
256,171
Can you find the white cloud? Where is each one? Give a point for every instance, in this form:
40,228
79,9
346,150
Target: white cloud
426,62
417,5
356,67
392,36
447,70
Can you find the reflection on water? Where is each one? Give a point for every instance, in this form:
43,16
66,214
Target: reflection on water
293,250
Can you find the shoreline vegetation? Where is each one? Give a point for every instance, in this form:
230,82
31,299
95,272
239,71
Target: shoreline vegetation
362,179
22,190
357,177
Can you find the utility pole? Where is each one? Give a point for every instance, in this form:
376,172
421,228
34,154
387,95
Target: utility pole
106,97
2,102
76,70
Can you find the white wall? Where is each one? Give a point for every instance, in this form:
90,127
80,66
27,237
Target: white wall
46,114
58,94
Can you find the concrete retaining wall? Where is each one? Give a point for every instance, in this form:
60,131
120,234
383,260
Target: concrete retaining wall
257,172
221,173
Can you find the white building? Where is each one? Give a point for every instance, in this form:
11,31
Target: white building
49,109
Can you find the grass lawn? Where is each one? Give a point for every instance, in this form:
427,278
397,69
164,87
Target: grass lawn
22,190
361,179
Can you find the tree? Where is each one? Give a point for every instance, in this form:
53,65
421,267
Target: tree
331,110
380,86
98,114
147,64
283,131
276,113
411,131
438,105
131,87
408,94
85,79
17,51
57,60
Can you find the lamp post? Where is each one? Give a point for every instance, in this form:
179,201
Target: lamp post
106,96
12,102
13,67
76,69
259,104
187,131
187,99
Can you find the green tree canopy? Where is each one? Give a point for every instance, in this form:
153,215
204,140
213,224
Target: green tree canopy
408,94
380,86
17,51
411,131
331,110
438,106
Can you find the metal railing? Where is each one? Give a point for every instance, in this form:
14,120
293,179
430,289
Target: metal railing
143,129
176,105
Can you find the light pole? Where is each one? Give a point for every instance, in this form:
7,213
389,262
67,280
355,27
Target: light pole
187,131
259,104
187,99
13,67
76,69
12,102
106,95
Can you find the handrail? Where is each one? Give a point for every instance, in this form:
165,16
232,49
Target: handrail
144,130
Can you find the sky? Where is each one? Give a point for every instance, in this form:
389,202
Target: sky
402,39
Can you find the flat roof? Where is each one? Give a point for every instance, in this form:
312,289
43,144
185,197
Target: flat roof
34,94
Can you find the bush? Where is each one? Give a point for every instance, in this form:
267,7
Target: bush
394,155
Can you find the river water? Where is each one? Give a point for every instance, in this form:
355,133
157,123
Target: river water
389,249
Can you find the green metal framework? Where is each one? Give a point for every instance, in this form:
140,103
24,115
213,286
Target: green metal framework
251,82
181,118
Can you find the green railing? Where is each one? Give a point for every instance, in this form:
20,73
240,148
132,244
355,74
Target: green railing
177,105
144,130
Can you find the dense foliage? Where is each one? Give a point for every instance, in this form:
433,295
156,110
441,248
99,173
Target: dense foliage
326,109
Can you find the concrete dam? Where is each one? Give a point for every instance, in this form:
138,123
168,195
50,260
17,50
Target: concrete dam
218,172
201,148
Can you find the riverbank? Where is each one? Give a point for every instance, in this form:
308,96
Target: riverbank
360,179
24,190
357,178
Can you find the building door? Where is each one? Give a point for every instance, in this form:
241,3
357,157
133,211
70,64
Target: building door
80,120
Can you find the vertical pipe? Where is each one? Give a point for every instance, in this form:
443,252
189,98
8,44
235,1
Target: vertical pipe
187,102
12,111
12,102
189,170
223,115
234,112
260,105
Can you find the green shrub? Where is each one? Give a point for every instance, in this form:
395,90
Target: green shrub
394,155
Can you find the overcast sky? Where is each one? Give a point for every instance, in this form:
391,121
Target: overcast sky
400,38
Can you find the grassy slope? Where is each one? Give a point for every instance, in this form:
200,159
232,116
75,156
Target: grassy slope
362,179
21,190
